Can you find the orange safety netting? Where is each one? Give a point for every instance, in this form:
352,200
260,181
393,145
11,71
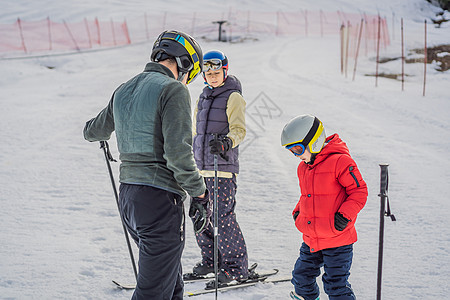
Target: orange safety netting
46,35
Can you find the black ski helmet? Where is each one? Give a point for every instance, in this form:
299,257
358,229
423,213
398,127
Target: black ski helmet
183,48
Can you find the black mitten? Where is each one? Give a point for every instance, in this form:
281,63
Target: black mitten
340,222
220,146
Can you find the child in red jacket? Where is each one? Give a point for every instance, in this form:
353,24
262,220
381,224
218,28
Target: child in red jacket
332,194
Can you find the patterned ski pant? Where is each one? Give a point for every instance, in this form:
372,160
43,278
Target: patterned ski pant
336,262
231,244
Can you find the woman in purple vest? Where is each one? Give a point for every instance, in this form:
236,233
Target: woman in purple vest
221,110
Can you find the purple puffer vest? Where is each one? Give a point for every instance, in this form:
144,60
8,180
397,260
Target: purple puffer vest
212,118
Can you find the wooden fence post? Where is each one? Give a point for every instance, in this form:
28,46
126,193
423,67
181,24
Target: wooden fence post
49,34
378,50
113,32
21,35
425,60
99,41
125,31
71,36
403,57
88,32
357,48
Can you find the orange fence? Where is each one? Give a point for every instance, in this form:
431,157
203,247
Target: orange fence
46,35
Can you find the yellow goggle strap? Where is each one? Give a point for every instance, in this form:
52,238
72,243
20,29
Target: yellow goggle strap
312,135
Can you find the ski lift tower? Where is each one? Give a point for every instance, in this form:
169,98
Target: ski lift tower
220,28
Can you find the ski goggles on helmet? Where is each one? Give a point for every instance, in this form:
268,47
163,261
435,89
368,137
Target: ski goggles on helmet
297,149
212,64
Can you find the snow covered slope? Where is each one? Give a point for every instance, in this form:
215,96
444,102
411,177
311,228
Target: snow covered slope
61,236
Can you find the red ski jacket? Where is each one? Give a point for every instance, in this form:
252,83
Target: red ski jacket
331,184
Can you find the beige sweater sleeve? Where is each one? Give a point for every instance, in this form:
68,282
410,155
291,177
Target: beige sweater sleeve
236,118
194,119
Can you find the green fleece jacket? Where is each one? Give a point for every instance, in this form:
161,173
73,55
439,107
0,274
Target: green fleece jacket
151,115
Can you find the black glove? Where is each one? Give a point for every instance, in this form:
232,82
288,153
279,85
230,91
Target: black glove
340,222
295,215
200,212
220,146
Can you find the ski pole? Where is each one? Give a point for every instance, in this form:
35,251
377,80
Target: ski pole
216,216
384,182
108,157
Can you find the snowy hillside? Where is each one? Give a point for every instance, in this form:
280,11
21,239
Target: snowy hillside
61,236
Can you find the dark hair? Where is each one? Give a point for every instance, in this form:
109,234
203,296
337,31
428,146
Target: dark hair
165,57
171,60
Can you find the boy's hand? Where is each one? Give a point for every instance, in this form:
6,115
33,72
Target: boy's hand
340,222
220,146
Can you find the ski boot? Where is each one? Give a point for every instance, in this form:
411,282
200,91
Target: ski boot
202,269
224,278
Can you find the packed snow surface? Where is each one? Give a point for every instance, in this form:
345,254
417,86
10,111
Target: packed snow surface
61,236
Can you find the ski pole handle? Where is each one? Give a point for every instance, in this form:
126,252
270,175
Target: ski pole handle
105,146
384,179
222,153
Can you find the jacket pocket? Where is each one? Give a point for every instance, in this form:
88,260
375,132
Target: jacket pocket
322,227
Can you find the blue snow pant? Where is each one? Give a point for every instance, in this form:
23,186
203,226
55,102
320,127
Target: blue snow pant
231,244
336,263
155,220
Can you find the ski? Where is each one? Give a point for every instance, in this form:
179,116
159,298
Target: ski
187,279
248,283
252,277
193,277
190,277
122,286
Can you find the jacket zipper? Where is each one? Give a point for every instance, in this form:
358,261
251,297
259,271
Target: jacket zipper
353,175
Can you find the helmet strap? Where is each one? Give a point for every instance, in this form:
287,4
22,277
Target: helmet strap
313,158
182,71
181,75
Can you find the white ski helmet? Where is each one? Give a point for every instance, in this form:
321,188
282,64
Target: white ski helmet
306,130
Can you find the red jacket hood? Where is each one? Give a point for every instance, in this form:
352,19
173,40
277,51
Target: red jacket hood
333,145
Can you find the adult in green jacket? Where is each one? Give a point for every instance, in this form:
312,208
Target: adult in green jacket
151,116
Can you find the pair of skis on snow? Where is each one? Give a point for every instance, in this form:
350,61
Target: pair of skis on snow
253,279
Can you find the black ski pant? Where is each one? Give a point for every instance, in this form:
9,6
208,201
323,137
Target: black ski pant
155,220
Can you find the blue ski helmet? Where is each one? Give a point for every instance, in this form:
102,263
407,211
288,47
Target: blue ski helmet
214,60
